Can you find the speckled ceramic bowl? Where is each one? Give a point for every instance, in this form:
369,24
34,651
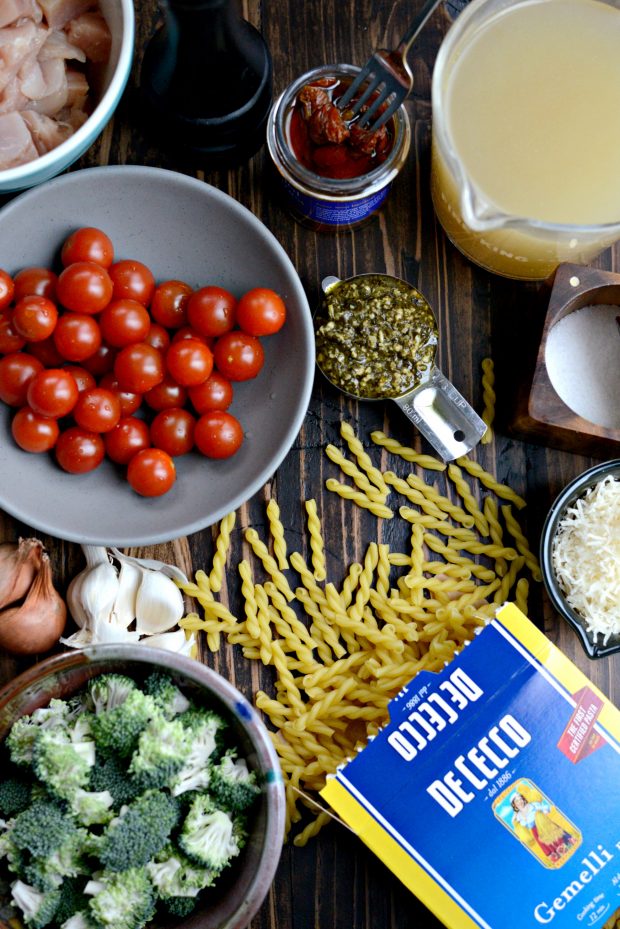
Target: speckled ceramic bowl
186,230
120,17
240,891
592,645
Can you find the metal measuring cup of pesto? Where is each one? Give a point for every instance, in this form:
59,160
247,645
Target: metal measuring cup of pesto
376,339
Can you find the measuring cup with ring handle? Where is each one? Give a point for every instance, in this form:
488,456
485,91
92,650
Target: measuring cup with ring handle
432,403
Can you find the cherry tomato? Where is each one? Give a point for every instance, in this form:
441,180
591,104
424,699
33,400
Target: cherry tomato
216,393
87,244
102,361
46,352
132,280
169,304
39,281
84,287
97,410
139,367
173,431
189,361
130,402
78,451
32,432
166,395
10,339
35,318
218,434
129,436
77,336
124,322
83,378
16,371
186,332
52,392
7,289
211,311
261,312
238,356
151,472
158,337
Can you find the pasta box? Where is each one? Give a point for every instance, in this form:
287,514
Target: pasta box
494,791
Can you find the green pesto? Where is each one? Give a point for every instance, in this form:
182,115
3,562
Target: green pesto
376,336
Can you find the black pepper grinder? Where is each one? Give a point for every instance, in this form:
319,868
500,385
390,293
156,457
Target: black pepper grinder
206,83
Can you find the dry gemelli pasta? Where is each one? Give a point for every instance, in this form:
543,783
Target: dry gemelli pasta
488,398
341,649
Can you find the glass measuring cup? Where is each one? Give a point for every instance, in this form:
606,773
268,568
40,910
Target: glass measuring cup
524,152
376,339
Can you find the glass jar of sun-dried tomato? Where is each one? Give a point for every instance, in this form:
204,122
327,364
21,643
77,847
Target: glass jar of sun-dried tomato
334,174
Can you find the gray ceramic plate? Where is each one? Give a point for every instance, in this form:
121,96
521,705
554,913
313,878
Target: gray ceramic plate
181,228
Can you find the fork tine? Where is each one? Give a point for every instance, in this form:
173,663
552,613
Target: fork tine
387,114
370,90
366,117
354,87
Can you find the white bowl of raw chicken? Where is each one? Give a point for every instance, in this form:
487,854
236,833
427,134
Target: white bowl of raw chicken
63,69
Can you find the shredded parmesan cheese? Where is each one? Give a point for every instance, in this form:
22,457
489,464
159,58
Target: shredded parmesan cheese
586,557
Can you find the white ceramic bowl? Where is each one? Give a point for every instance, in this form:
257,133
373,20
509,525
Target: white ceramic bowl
120,17
185,229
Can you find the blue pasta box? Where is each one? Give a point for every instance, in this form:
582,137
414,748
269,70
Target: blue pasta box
494,791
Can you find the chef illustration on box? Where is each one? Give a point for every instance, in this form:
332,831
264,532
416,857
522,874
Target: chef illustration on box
534,820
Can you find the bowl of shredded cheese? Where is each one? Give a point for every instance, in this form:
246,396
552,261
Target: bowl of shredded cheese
580,557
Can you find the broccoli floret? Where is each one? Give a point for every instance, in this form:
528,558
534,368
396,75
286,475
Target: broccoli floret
111,774
67,861
61,764
116,731
92,808
208,835
232,785
38,908
16,858
15,796
121,901
166,694
141,830
205,728
79,920
179,907
26,730
108,691
42,828
72,900
174,875
162,749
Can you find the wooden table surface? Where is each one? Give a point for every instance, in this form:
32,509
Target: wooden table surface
334,882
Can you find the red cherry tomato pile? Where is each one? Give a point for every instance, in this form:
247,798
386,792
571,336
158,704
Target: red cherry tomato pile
100,360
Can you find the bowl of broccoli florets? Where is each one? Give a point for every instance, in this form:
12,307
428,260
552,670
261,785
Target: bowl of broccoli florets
137,788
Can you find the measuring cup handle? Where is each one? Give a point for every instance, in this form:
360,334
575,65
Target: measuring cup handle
443,416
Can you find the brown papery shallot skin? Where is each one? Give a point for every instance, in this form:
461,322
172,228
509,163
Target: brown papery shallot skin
38,623
19,564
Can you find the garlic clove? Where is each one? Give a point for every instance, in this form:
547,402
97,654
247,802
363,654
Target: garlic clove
159,603
124,608
98,591
79,639
74,600
105,632
171,641
169,570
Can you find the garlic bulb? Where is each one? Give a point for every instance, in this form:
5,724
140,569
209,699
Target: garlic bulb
169,570
159,603
91,594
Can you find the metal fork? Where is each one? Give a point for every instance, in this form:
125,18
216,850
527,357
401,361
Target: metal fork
388,75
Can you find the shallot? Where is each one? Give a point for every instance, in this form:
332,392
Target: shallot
18,565
37,624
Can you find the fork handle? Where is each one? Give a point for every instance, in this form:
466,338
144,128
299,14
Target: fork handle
416,26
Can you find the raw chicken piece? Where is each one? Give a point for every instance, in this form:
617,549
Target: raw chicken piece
46,132
58,46
18,45
16,145
58,12
32,80
12,98
10,10
77,89
90,33
56,89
